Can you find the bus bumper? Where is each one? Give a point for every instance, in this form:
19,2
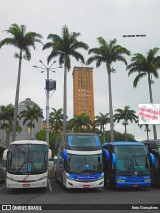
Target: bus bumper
37,183
70,183
133,184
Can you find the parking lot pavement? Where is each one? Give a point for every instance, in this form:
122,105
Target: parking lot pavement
56,194
2,185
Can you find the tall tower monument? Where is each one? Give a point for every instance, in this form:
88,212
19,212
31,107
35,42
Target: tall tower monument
83,93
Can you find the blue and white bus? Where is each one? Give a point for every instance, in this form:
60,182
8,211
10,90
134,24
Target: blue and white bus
127,164
79,165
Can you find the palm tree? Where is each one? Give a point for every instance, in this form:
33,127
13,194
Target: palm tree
69,126
108,53
101,120
145,67
64,47
146,129
9,129
23,41
56,120
125,115
80,122
6,115
30,115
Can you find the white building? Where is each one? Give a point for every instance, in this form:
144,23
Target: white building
24,134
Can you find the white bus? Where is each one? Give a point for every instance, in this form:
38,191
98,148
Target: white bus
27,164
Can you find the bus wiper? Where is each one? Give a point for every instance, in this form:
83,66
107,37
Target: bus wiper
91,171
131,165
133,162
33,166
124,172
137,165
21,166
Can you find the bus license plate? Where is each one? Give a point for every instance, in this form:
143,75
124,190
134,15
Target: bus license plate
26,185
86,186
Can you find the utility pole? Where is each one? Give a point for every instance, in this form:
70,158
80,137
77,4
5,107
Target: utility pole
50,86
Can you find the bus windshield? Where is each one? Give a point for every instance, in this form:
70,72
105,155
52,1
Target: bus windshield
84,164
27,159
132,160
83,140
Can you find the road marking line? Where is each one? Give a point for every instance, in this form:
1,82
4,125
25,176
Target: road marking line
49,184
2,187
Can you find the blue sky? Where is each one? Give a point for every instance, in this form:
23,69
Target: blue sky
92,18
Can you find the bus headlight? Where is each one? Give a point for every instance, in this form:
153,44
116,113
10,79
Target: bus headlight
147,180
120,180
100,178
11,179
42,178
69,176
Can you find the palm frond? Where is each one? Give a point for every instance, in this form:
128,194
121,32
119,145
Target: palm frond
16,55
137,79
8,41
93,58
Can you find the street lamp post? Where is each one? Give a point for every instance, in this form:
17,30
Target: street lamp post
47,109
50,85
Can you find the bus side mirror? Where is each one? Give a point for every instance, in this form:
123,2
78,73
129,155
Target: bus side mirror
113,159
64,154
49,154
106,153
5,154
152,159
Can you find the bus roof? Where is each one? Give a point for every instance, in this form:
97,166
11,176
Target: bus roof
80,134
157,141
123,143
28,142
152,143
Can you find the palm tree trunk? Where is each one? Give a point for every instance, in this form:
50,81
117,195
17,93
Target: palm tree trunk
17,98
7,139
64,106
30,135
103,135
147,134
110,106
151,101
3,132
125,126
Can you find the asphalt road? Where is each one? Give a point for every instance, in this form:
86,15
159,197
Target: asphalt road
56,194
